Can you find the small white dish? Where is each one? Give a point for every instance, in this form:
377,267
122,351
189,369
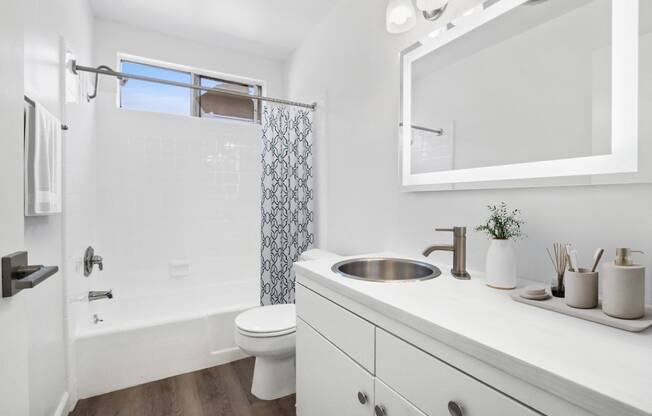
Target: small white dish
535,292
539,297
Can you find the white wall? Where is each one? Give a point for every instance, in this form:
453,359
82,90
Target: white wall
174,187
352,61
48,25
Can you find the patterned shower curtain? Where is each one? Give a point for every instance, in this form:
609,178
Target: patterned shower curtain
287,198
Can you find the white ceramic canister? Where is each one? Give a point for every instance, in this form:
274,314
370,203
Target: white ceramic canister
501,264
623,290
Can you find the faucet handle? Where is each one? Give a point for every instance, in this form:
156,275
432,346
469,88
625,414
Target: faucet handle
459,231
99,261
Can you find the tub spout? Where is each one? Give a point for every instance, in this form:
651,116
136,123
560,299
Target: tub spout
102,294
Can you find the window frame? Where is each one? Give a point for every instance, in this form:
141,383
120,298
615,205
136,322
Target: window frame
195,74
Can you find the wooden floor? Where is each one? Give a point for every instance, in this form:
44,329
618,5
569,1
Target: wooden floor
218,391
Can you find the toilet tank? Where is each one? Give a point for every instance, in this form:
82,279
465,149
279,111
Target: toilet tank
317,254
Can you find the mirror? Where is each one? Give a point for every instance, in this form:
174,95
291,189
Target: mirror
515,92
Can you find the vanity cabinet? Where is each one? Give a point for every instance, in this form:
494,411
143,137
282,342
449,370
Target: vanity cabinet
328,381
348,366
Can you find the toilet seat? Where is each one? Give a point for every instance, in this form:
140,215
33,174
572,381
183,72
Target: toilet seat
267,321
266,334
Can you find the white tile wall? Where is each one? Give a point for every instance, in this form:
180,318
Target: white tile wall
174,188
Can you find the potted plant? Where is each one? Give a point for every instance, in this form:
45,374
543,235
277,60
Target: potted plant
503,226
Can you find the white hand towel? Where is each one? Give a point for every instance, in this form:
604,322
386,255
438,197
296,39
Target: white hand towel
43,163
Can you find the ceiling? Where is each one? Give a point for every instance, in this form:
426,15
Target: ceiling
273,28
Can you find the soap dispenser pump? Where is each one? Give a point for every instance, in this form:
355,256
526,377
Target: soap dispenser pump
623,286
624,256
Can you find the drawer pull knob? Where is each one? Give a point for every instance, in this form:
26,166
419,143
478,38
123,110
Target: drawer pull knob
380,410
362,397
455,409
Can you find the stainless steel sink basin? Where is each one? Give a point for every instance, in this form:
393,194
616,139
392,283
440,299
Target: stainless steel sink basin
385,270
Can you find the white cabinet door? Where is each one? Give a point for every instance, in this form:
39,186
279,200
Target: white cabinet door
390,403
328,381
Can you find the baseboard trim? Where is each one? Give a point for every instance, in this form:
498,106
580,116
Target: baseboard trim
62,408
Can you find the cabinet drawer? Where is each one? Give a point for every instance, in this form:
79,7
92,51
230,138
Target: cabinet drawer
391,403
349,332
430,384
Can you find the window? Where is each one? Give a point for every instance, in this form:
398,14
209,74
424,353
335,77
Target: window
152,96
214,104
161,98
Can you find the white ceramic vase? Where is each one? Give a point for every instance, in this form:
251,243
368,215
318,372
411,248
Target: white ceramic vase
501,265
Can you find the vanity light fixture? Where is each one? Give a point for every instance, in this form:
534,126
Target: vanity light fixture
432,9
401,14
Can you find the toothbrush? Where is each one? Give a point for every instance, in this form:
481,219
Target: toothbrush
572,258
596,258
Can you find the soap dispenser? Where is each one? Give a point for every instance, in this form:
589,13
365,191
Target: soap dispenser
623,286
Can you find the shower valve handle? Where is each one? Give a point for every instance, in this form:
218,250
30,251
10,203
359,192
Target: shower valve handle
90,260
98,260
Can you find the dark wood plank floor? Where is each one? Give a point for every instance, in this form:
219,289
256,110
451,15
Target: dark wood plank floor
219,391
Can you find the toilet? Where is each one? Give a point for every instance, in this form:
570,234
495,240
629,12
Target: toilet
268,333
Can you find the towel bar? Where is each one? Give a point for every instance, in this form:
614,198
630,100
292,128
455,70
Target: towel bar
17,274
33,104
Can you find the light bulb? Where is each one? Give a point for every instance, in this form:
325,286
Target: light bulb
400,16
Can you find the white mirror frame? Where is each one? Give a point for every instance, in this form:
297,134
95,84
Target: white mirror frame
624,130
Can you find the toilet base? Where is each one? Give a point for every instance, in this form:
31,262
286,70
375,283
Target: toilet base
274,377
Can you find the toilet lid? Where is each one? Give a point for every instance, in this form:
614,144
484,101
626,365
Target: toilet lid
268,319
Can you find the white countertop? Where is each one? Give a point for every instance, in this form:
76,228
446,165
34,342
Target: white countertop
612,365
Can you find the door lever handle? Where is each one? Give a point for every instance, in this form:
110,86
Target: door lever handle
18,274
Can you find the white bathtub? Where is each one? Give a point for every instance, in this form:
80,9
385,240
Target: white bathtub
143,339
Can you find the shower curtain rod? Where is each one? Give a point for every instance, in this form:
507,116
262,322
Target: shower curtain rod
103,71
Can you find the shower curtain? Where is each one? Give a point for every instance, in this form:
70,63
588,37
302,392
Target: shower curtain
287,198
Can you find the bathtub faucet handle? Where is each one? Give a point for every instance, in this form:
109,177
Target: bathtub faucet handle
90,260
98,260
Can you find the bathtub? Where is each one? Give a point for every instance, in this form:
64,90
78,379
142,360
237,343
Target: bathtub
147,338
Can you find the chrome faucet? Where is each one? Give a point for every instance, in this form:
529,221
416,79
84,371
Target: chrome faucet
102,294
459,252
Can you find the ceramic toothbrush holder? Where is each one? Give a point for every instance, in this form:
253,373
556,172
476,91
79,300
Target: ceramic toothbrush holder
581,289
